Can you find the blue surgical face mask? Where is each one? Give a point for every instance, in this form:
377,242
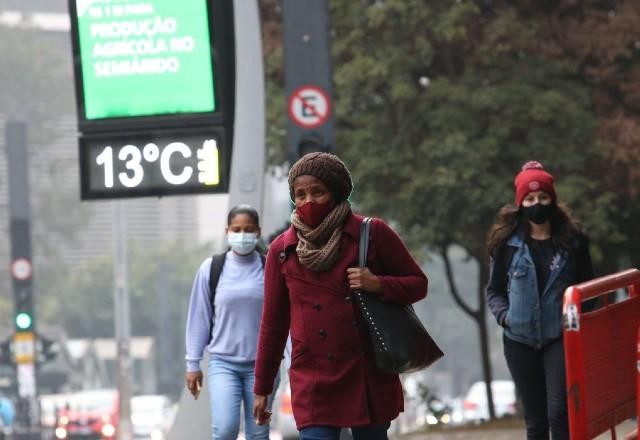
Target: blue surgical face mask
242,243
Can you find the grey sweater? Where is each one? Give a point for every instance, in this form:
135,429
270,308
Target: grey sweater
238,308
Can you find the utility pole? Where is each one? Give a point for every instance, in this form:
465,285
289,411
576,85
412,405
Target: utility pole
24,338
122,318
248,161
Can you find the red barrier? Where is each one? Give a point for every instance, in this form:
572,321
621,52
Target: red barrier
600,353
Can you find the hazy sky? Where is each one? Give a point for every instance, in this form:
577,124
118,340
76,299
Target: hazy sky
34,5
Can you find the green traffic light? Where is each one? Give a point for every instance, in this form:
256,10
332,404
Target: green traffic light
23,320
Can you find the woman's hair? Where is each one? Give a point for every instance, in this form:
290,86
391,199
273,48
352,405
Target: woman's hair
510,218
243,209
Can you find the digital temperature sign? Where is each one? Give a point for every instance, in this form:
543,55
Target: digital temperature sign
155,95
162,163
144,57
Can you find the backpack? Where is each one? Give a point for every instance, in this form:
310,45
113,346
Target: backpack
217,262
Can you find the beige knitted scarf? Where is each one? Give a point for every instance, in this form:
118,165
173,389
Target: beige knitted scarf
318,249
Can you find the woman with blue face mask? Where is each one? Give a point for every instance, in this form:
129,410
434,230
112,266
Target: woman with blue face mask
227,327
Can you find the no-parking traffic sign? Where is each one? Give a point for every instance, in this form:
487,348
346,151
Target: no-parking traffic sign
309,106
21,269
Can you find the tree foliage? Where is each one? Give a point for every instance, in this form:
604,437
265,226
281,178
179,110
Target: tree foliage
440,103
271,19
85,301
454,102
601,40
159,284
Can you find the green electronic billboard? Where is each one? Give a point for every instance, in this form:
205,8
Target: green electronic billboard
144,58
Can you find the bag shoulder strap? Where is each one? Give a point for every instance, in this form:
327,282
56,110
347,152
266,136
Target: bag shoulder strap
217,262
363,247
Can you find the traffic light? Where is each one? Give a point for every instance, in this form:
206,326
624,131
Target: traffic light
24,321
23,309
310,142
47,349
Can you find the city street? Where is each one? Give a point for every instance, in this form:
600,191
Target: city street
185,195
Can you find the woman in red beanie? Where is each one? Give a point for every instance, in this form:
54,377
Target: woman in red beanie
537,250
310,274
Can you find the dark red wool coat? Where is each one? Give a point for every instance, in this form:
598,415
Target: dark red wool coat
334,380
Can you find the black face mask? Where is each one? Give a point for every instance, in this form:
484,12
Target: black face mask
538,213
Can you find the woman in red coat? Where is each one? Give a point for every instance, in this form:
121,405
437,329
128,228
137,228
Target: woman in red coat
310,274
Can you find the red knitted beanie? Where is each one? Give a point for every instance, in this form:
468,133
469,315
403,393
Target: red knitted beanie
533,177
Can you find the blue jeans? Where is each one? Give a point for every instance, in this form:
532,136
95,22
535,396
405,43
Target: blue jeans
231,383
368,432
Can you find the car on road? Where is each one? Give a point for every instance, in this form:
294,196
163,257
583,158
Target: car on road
50,407
151,416
476,408
89,414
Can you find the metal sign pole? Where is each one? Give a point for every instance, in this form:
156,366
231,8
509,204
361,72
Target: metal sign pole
24,339
122,319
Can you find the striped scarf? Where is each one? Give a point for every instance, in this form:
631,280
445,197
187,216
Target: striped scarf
318,249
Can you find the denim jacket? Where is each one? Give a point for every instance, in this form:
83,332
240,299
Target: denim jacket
534,316
512,290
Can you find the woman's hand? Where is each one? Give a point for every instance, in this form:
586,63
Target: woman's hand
361,278
260,411
194,382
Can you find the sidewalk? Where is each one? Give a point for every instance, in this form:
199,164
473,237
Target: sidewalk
511,431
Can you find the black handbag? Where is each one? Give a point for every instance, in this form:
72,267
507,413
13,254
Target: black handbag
401,344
